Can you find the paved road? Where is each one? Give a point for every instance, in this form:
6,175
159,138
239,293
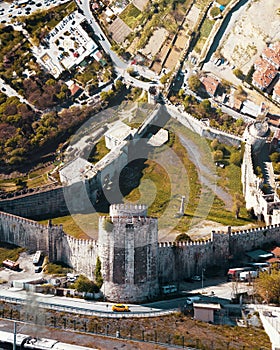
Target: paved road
103,41
94,308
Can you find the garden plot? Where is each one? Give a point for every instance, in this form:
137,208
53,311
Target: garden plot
119,30
155,42
192,16
140,4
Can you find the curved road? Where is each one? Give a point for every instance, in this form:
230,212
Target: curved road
93,308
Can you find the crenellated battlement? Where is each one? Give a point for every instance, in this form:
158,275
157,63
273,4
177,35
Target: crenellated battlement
128,210
184,244
19,219
81,241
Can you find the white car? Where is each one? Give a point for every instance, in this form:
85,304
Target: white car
191,300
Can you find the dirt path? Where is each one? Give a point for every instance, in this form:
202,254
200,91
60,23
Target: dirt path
205,174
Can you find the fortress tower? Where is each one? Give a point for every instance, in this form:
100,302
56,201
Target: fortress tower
128,249
256,135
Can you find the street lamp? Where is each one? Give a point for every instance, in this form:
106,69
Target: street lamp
202,277
104,293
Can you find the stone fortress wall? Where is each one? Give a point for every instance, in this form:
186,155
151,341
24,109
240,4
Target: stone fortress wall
202,128
78,196
134,264
266,206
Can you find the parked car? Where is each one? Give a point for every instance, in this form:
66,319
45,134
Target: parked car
120,308
38,269
196,278
191,300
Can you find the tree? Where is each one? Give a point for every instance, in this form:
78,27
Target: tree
268,286
236,158
181,93
259,171
214,144
218,155
119,85
238,202
206,106
183,237
276,168
164,79
274,157
84,284
215,11
194,83
98,274
238,73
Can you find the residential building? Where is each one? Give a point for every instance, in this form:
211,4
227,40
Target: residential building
272,54
264,75
210,84
276,92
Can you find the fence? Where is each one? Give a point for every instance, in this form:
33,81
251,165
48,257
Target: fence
111,328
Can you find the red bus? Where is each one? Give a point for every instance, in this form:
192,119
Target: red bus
11,264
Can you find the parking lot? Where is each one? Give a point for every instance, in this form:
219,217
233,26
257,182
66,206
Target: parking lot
9,12
26,272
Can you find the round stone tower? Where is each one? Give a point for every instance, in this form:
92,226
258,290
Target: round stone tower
256,134
128,250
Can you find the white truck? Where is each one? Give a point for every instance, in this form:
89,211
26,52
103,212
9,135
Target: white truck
247,276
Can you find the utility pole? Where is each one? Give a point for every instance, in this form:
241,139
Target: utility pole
15,336
202,276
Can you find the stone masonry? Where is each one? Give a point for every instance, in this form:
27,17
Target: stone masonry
134,264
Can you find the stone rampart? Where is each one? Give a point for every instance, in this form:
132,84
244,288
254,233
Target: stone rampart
246,240
24,233
178,260
204,130
134,264
128,247
37,205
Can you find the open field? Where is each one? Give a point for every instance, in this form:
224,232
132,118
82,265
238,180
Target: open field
251,33
161,181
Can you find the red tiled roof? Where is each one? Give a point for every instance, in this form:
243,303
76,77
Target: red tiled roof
276,89
276,252
74,89
260,62
264,75
210,84
273,53
273,260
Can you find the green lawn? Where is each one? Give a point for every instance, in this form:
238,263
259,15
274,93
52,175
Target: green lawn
9,251
131,16
99,151
82,226
224,2
206,27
